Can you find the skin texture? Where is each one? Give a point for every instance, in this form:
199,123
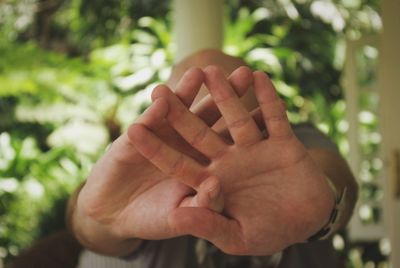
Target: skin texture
246,193
127,197
267,183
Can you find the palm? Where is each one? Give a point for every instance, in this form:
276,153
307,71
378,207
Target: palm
120,185
267,186
125,191
123,181
268,183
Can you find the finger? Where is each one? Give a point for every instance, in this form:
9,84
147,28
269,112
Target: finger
122,148
154,114
168,160
191,128
206,224
241,79
241,125
188,86
272,107
220,127
210,195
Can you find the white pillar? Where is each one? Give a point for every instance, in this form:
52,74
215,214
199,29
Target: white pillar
351,86
389,87
198,24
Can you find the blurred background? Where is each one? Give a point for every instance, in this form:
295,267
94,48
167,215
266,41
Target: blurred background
74,74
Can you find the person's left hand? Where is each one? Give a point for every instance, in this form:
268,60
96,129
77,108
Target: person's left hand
274,193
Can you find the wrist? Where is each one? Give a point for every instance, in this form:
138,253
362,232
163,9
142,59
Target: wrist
99,237
335,217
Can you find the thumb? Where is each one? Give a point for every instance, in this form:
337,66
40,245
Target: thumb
224,233
209,195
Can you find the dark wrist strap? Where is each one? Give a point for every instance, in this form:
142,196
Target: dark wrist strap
334,218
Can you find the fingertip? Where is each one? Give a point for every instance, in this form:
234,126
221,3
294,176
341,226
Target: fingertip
189,85
135,132
244,71
196,72
241,79
211,186
154,113
160,105
218,84
260,75
212,71
192,78
264,88
258,72
209,194
160,91
157,110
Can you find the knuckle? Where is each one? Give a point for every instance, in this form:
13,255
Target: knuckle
91,210
240,122
177,113
223,96
276,118
96,212
199,137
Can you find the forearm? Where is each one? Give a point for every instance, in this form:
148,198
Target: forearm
93,235
337,170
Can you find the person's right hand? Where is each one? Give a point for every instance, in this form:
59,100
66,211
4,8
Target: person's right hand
127,196
275,194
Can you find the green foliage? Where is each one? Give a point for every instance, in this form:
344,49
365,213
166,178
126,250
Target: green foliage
45,98
57,116
303,69
31,180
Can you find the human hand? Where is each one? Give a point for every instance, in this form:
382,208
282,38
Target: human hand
126,196
274,193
